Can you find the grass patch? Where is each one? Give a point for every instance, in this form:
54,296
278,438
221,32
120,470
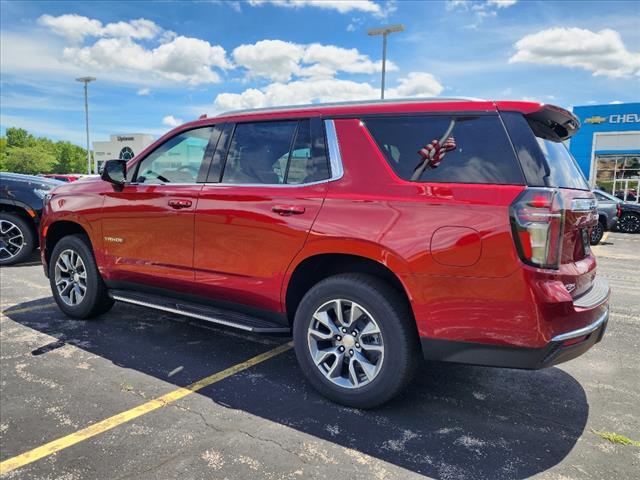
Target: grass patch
616,438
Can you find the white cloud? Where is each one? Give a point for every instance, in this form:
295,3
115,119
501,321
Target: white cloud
143,92
117,50
481,9
279,61
615,102
325,90
71,26
502,3
273,59
172,121
76,27
417,84
341,6
183,59
603,53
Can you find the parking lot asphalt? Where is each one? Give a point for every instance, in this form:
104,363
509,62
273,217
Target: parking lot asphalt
59,376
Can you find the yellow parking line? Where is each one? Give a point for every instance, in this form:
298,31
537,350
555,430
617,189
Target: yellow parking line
605,236
8,311
112,422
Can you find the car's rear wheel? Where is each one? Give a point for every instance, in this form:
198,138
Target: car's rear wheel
76,283
597,233
17,239
629,223
355,340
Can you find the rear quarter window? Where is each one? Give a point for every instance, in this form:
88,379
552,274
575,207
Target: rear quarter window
480,149
545,160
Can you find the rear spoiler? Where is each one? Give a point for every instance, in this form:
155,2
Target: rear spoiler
561,122
547,120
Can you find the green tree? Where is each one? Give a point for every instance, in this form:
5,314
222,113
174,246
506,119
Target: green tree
19,137
3,153
30,160
70,158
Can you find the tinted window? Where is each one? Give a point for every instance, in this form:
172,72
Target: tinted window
258,152
545,160
264,153
307,163
480,150
178,160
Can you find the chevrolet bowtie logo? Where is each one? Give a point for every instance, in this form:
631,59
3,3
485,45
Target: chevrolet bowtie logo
595,120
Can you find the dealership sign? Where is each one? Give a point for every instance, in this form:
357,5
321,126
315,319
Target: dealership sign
615,118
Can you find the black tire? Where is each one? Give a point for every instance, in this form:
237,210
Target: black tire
96,300
597,233
395,321
28,239
629,223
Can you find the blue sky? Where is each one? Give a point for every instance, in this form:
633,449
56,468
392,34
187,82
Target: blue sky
161,63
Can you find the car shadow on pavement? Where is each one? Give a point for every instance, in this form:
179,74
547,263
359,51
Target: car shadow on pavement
454,421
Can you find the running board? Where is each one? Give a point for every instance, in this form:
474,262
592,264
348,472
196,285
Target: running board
219,316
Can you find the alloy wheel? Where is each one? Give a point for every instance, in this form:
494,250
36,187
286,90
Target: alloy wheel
345,343
630,223
71,277
11,240
596,234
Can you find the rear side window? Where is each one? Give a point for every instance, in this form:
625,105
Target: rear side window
275,153
477,148
545,160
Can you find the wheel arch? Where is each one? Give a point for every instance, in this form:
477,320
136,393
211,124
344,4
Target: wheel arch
313,268
21,209
60,229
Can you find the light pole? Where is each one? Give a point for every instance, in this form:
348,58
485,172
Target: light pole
384,31
86,81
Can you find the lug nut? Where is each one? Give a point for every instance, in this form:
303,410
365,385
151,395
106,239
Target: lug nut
344,330
341,349
351,352
354,333
338,337
357,345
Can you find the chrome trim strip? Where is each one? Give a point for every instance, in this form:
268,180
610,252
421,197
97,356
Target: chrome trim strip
583,331
182,312
335,158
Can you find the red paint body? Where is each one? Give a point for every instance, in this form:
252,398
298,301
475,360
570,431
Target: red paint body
450,245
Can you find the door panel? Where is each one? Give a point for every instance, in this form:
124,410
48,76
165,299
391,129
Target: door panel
243,247
250,227
146,240
148,226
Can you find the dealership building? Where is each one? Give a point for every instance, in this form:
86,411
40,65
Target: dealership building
607,146
123,146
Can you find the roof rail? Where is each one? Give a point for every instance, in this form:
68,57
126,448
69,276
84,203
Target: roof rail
350,103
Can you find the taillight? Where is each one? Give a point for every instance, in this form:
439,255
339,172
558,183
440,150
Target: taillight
619,210
537,221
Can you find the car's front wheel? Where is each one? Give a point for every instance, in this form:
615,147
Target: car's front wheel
17,239
629,223
76,284
355,340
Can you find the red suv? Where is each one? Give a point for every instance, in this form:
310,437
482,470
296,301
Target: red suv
375,232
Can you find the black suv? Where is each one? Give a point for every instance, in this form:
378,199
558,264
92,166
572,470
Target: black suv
21,202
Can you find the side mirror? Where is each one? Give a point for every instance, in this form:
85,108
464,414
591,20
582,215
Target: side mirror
115,172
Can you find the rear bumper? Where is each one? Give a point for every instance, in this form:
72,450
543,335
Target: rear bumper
593,306
561,348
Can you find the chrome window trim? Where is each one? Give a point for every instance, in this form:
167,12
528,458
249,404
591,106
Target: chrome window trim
333,147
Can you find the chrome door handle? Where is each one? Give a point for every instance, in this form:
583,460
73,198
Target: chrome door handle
288,210
178,204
